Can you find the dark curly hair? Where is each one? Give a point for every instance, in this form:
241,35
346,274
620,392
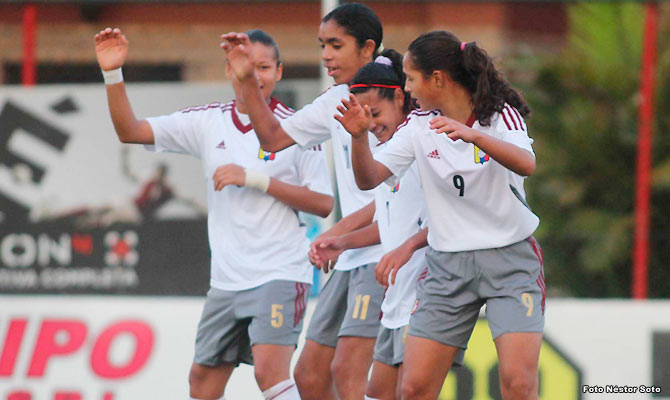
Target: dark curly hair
472,68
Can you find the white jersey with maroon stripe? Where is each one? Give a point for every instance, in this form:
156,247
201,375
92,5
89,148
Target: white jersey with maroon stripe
401,213
314,124
254,238
473,201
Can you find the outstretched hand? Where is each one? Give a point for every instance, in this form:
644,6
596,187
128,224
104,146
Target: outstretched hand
238,49
355,118
454,129
111,48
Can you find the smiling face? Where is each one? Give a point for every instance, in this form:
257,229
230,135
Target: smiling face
268,73
340,52
421,88
387,114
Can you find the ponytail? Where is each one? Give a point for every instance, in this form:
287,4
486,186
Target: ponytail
471,67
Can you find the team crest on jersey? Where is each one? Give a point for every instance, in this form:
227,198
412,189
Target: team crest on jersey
266,156
480,156
395,188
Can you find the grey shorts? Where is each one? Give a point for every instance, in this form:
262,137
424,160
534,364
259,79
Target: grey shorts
233,321
390,347
349,305
509,280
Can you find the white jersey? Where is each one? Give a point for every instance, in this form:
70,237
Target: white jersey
314,124
401,213
254,238
473,201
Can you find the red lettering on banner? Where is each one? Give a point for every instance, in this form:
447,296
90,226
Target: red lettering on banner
144,341
20,395
47,346
82,244
60,395
10,350
67,396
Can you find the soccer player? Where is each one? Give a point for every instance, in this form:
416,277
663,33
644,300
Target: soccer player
342,332
260,271
473,152
400,217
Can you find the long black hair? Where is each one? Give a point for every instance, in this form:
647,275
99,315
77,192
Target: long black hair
470,66
359,21
259,36
383,78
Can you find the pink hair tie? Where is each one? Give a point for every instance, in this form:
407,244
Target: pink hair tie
463,44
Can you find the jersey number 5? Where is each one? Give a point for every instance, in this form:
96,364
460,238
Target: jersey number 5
459,183
277,317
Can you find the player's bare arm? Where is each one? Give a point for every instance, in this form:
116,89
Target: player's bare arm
368,172
111,51
297,197
510,156
351,222
272,136
301,198
392,261
329,248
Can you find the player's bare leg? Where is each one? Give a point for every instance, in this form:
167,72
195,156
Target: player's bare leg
518,357
398,388
425,365
312,373
208,383
351,366
272,364
383,381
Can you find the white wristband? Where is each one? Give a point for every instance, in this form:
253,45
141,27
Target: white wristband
113,76
256,180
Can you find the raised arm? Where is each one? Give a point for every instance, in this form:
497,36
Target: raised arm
356,119
111,51
267,127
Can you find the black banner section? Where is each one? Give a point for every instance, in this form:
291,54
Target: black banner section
12,119
154,258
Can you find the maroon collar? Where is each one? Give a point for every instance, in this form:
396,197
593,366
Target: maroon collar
471,120
246,128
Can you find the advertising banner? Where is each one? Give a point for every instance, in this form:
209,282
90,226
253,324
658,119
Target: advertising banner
81,212
128,348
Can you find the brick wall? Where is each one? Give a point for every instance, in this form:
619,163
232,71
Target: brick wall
188,34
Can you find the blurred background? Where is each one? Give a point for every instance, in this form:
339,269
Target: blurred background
104,260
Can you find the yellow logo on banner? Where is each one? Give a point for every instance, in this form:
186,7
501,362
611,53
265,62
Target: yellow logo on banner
478,379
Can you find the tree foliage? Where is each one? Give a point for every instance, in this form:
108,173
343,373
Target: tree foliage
585,105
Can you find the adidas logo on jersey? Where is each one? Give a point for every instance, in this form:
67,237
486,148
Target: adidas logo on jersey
434,154
221,145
